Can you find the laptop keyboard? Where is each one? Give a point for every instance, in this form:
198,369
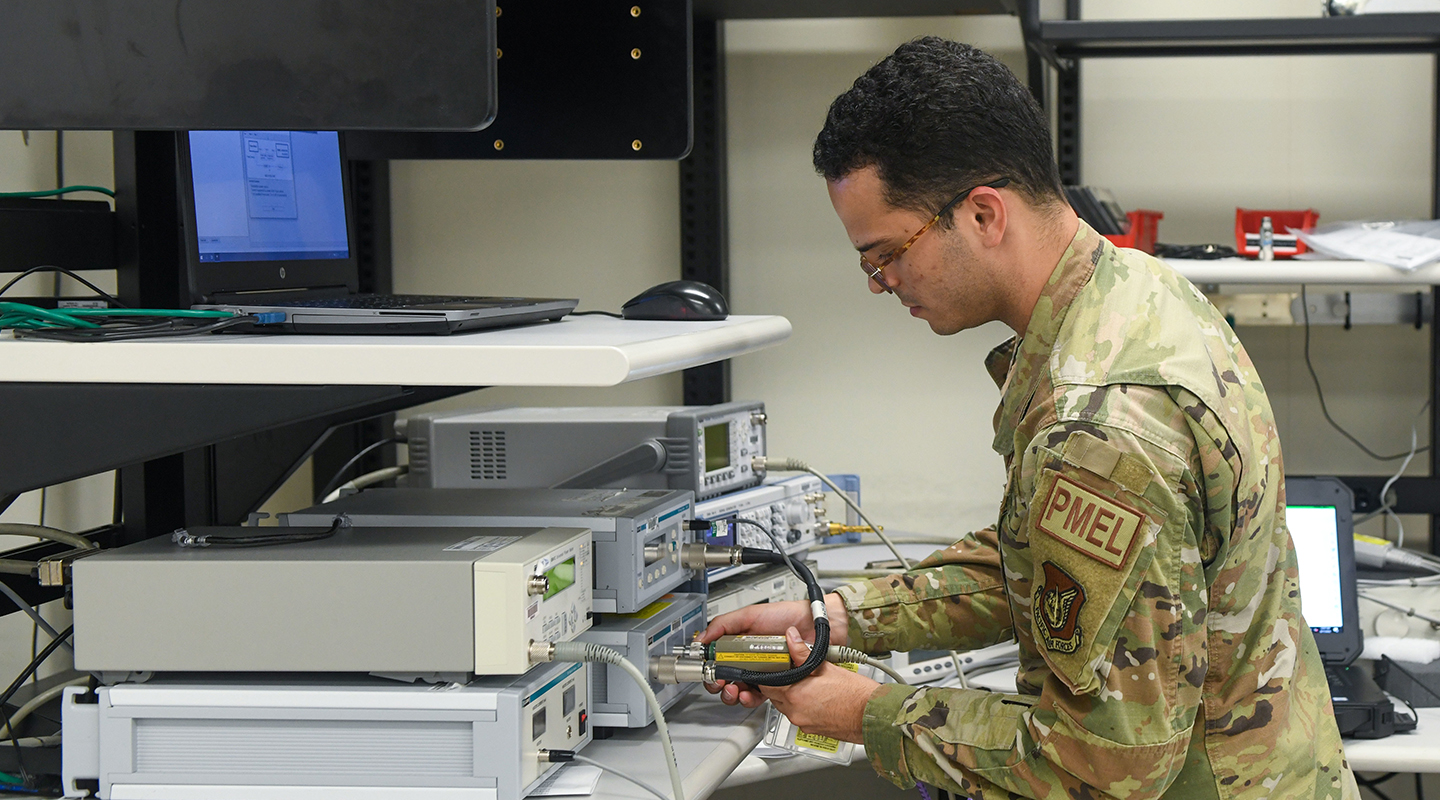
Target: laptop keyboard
389,301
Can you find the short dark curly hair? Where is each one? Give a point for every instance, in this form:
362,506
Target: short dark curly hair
934,118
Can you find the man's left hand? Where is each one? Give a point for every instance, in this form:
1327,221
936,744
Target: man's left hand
829,702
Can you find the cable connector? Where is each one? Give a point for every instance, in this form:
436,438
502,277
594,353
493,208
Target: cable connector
185,538
762,464
557,756
700,556
835,529
55,570
681,669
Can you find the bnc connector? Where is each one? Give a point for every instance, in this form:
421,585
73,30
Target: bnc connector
673,670
541,652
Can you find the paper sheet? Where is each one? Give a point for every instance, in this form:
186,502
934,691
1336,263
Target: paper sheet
569,780
1402,250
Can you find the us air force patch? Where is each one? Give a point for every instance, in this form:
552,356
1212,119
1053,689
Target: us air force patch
1058,600
1097,526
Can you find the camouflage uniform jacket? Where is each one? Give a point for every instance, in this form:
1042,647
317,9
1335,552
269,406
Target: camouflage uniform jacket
1140,560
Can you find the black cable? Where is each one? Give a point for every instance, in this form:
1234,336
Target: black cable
266,539
1199,252
1324,409
599,313
20,681
775,540
750,555
334,483
1373,784
109,298
159,330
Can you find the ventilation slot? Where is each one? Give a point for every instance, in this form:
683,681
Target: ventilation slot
487,455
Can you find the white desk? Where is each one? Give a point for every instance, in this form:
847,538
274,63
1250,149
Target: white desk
710,740
577,351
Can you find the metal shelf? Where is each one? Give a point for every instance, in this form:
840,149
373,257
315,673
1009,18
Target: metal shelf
1375,33
803,9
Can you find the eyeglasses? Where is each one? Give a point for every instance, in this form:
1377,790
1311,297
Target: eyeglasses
874,271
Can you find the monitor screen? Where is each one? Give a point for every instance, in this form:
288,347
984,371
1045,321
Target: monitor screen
1316,534
268,196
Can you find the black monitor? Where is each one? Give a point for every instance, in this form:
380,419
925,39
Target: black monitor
424,65
1318,516
265,211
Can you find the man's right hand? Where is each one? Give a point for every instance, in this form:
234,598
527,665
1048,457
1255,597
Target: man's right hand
772,619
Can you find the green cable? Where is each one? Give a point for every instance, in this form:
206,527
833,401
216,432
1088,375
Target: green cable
60,191
11,779
58,317
28,317
150,312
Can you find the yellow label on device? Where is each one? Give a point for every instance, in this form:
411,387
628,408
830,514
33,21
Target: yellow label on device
769,658
648,611
812,742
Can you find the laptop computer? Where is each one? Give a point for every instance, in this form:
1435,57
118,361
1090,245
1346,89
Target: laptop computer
1318,516
268,229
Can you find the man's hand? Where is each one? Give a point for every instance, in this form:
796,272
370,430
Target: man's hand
829,702
771,619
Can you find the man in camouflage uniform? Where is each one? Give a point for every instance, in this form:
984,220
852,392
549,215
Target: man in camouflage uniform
1140,559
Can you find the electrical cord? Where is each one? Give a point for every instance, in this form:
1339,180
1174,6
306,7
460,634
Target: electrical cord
762,463
109,298
1320,393
597,313
841,654
334,482
821,621
45,532
1409,612
774,540
34,613
368,479
184,538
577,652
12,724
20,681
573,756
62,190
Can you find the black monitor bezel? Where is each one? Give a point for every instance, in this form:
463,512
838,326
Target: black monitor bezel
1343,647
219,281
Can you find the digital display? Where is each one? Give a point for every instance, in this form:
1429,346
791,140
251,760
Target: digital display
560,577
1315,532
268,195
717,446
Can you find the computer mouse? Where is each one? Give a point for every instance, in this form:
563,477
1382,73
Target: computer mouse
677,300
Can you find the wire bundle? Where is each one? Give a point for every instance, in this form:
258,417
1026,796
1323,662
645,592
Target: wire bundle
115,324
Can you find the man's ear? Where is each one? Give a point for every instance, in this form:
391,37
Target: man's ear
986,214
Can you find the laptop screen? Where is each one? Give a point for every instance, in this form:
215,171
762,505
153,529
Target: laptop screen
1314,530
268,196
1318,514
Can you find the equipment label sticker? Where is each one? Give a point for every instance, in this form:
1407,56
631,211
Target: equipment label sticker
1083,520
484,544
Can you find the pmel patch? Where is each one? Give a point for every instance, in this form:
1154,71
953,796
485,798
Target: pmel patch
1097,526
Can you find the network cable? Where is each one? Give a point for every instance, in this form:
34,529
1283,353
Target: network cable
101,293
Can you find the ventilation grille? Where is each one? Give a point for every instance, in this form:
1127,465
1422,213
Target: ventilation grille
599,686
487,455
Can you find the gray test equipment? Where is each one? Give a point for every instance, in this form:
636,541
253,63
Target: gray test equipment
637,533
429,603
321,741
672,621
706,449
